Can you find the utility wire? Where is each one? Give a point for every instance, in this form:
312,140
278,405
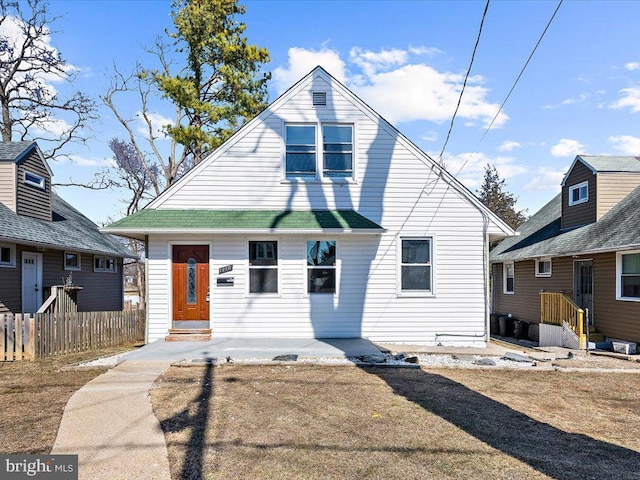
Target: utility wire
464,84
522,71
515,82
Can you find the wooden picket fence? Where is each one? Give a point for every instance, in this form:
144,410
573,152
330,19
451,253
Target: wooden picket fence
43,335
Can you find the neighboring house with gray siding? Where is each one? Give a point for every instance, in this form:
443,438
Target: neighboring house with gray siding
43,239
584,243
318,219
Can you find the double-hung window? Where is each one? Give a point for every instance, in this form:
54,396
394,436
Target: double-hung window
316,151
300,156
415,267
337,150
321,266
7,255
628,276
263,267
579,193
508,274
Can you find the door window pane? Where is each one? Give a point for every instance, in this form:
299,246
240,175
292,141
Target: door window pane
192,280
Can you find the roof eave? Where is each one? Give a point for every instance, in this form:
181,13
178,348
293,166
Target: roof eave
140,233
593,251
52,246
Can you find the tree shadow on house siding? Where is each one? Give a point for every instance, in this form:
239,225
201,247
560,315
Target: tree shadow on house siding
560,455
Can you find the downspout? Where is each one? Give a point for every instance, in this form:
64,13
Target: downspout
486,266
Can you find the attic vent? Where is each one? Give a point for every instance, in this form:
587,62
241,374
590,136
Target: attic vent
319,98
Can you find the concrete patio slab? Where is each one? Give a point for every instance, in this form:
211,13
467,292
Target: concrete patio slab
258,348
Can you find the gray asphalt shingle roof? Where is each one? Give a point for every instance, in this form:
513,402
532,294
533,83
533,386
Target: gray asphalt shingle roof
609,163
69,230
10,151
541,235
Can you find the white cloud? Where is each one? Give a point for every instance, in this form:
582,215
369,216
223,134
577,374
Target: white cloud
508,145
158,122
302,61
630,98
430,136
631,66
85,162
428,51
400,89
626,144
569,101
469,167
545,179
567,148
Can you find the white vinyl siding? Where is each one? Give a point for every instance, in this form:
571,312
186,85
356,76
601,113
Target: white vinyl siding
388,188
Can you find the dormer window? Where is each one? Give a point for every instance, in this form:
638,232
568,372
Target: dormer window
579,193
34,180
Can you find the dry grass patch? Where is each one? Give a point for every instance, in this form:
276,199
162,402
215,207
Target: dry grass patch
33,396
307,422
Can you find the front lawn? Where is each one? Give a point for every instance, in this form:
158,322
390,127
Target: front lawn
33,396
329,422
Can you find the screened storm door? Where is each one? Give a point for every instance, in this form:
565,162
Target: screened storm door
190,282
583,285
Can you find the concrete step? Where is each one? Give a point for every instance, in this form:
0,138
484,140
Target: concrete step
188,335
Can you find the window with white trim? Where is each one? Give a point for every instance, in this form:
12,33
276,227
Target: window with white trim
415,265
579,193
300,155
315,151
7,255
321,266
508,273
628,278
263,267
104,264
72,261
337,150
34,180
543,267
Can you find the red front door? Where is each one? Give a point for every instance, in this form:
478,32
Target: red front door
190,282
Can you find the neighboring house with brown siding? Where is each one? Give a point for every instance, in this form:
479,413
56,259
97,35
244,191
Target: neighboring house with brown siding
43,239
584,243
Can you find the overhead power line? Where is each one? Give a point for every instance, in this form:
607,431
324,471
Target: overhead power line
522,71
464,84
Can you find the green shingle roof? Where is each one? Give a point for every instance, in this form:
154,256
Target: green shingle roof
229,220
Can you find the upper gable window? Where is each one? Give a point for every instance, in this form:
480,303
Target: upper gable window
337,150
579,193
317,151
300,157
34,180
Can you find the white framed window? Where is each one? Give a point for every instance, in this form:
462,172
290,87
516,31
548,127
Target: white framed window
72,261
508,275
321,266
628,276
579,193
319,151
337,150
263,266
416,268
34,180
104,264
7,255
300,152
543,267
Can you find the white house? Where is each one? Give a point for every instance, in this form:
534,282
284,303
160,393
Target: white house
318,219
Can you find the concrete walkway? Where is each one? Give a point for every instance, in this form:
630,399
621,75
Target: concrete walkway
109,423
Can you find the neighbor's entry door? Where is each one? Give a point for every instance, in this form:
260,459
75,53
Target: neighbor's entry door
583,285
190,282
31,282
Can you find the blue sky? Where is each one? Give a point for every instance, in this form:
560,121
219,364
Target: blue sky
407,59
